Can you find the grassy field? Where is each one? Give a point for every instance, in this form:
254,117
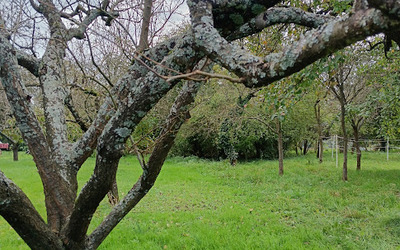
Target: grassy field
199,204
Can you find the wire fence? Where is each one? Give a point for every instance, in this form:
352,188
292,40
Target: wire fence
336,144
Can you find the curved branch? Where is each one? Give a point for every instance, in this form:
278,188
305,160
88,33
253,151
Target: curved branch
18,211
23,113
9,139
229,16
279,15
316,44
35,6
178,114
75,114
79,32
391,8
31,63
138,91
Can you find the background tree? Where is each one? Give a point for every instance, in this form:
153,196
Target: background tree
279,100
321,94
346,85
382,101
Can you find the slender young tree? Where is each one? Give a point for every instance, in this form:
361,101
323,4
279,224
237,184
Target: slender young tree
348,86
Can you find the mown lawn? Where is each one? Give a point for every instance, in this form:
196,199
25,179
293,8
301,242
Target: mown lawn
199,204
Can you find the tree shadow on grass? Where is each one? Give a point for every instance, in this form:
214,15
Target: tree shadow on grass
393,226
389,176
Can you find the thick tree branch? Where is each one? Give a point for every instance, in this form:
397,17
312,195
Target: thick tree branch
79,32
139,91
22,111
178,114
9,139
51,75
83,148
29,62
279,15
144,33
32,133
16,208
35,6
54,89
229,16
208,39
314,45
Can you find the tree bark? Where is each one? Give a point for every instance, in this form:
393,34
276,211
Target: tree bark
305,147
144,34
15,148
355,127
317,112
18,211
113,196
280,145
178,114
345,138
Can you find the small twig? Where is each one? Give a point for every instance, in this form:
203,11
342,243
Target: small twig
92,78
96,65
150,68
187,76
206,74
157,63
139,155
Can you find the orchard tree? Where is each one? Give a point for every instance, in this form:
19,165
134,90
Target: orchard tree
347,81
339,81
152,73
279,100
382,104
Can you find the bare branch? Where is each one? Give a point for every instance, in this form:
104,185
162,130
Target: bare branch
191,75
79,32
75,114
97,66
144,33
139,154
35,6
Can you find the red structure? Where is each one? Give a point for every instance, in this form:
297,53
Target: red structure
4,146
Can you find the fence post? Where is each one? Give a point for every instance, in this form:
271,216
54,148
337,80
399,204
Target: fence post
332,143
337,151
387,149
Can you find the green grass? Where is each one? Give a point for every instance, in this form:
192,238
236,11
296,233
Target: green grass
199,204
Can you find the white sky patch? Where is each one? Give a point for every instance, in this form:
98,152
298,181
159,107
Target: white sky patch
178,20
